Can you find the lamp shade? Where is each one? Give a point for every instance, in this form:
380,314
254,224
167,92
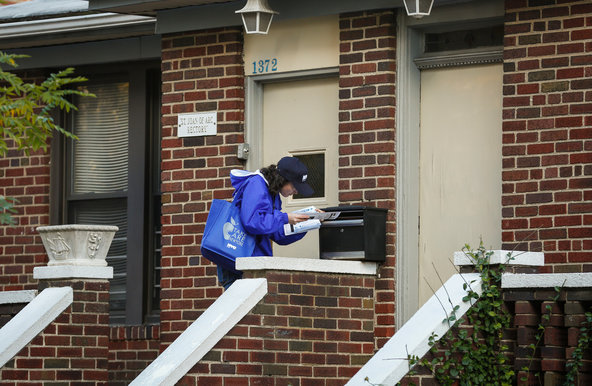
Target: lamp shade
418,8
256,16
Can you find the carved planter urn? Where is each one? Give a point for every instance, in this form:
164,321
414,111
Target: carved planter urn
77,244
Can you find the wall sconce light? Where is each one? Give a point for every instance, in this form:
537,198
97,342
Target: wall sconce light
256,16
418,8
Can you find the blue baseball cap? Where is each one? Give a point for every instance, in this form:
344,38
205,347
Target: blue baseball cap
293,170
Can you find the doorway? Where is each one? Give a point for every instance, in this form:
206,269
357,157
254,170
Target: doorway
459,167
299,117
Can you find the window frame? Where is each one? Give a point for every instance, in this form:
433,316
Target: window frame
143,181
254,104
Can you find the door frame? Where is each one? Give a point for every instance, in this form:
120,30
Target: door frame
410,60
407,171
254,105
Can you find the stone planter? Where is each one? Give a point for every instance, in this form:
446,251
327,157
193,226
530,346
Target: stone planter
84,245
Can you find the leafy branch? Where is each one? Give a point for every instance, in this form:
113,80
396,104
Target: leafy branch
25,107
26,122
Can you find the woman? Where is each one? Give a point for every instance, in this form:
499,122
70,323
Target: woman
258,197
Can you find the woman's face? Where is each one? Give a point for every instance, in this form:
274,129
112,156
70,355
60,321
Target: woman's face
288,189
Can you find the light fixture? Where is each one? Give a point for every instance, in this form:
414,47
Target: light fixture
418,8
256,16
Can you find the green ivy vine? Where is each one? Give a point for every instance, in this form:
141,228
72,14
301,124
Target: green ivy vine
576,361
473,353
540,333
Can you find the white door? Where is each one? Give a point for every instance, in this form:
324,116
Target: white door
460,167
300,118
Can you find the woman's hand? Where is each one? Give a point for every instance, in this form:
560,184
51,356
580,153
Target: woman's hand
320,211
294,218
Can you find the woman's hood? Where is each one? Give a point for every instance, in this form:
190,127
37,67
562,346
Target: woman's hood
238,177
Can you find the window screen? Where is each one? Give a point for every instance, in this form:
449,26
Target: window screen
109,212
315,164
101,153
100,174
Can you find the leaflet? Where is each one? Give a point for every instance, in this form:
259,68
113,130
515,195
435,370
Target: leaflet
300,227
312,213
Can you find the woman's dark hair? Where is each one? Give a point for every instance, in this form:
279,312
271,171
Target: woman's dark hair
274,179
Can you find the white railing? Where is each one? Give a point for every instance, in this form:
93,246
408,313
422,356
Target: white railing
391,363
32,319
203,334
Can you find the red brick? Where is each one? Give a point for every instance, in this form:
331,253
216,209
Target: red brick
529,88
541,50
569,122
578,257
581,157
516,101
513,78
582,34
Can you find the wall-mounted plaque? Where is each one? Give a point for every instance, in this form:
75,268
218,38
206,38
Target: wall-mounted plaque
197,124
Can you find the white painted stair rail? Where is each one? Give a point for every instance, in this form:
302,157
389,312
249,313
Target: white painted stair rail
390,364
32,320
204,333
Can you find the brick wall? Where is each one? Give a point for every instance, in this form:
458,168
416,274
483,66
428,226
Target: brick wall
131,350
560,326
8,311
25,178
562,321
200,72
310,329
74,347
367,134
547,131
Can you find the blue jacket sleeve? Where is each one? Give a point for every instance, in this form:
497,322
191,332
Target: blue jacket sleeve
257,213
279,237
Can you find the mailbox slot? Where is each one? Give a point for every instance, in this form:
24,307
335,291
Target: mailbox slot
359,233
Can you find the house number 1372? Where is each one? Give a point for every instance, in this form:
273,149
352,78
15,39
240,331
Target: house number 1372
262,66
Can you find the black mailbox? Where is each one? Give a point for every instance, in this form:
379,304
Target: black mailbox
359,233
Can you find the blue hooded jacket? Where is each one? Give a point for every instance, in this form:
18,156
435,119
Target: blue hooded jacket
260,213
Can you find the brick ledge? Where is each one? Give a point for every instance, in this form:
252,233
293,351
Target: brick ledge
72,272
306,265
11,297
505,257
547,280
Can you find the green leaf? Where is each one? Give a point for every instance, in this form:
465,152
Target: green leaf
26,108
7,209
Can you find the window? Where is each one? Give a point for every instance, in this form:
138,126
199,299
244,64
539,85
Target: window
464,39
315,163
111,175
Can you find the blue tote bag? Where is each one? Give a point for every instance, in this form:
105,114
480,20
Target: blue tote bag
224,237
